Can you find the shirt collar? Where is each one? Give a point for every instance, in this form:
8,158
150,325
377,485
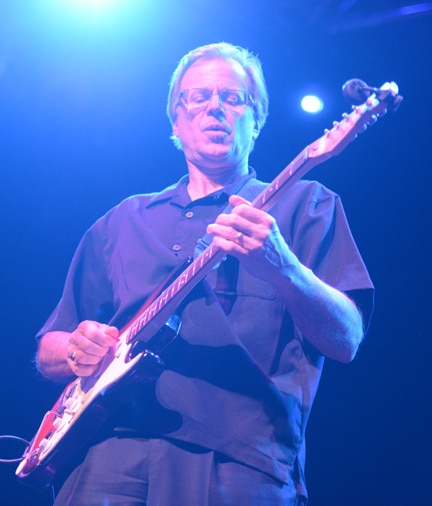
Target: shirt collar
178,195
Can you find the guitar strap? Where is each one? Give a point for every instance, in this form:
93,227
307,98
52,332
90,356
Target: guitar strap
226,283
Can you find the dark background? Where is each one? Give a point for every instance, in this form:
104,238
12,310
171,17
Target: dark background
82,125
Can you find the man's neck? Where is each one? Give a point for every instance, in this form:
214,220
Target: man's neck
203,182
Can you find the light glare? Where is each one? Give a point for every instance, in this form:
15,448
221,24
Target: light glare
312,104
92,4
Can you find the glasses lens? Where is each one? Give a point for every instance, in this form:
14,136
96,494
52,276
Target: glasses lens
198,98
233,98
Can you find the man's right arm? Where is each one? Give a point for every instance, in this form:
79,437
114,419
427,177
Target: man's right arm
52,356
63,355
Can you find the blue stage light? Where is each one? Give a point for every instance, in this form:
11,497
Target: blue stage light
90,9
92,5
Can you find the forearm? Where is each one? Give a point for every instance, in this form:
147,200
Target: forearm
51,357
326,317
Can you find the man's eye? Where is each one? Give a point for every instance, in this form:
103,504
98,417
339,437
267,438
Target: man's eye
199,97
232,98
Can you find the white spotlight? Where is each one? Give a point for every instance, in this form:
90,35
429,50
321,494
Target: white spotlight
312,104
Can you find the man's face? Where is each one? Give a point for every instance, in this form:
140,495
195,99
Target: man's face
214,132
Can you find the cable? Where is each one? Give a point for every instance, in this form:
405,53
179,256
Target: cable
13,438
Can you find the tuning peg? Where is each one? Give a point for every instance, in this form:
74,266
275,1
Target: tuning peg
357,92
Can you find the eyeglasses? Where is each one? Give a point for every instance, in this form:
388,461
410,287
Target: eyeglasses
197,99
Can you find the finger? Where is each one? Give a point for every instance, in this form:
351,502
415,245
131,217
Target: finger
236,200
247,220
111,331
225,232
84,370
72,354
244,208
230,247
79,356
239,230
84,350
89,333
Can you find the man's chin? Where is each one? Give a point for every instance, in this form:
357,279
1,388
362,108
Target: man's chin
216,158
216,151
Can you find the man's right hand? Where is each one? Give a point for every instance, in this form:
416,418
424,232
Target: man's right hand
88,345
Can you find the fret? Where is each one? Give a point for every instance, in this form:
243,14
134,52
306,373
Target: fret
152,310
142,320
183,278
172,290
164,297
193,267
130,334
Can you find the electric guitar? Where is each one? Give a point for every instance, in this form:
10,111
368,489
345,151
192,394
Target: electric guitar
87,403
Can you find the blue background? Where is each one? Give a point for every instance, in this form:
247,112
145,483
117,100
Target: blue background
83,125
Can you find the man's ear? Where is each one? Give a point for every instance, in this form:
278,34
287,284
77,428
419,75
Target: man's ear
175,129
255,131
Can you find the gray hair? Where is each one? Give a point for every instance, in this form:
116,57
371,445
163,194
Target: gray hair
226,51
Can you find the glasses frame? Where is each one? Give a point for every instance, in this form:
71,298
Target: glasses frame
249,101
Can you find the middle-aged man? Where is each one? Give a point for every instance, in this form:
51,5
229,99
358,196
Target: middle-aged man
224,424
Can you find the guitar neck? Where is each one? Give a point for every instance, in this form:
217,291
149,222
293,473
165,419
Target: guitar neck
330,144
301,164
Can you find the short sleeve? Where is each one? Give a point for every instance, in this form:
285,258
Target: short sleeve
87,293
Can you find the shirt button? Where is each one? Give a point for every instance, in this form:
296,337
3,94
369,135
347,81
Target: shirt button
176,247
189,214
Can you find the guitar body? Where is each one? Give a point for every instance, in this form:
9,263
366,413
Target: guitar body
86,404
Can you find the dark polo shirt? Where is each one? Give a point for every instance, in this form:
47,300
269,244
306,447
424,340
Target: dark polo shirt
239,379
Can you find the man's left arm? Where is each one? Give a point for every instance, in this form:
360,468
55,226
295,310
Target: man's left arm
325,316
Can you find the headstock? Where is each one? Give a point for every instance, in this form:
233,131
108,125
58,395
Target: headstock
377,102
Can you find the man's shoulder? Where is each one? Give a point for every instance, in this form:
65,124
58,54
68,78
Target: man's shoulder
312,190
139,201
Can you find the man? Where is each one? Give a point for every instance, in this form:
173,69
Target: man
224,424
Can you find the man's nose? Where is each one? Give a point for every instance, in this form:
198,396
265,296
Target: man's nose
215,102
215,98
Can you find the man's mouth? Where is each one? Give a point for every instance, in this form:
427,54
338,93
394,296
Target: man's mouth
217,128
